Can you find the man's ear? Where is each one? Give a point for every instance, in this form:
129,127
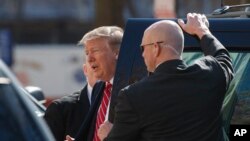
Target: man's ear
157,50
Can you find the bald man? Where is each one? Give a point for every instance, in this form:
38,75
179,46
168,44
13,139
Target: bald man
177,102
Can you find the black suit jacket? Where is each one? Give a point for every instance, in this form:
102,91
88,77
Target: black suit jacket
177,102
87,128
66,115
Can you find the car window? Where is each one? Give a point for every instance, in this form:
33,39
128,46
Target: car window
7,126
17,118
236,106
9,129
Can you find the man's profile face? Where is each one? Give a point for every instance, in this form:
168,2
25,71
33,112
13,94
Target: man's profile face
101,58
147,53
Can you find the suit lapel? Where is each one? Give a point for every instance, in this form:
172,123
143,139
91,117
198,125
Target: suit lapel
87,127
83,98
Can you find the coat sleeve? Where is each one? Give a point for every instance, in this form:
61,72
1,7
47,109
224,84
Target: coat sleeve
126,123
54,118
211,46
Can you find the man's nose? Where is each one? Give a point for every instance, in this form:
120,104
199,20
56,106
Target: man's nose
90,57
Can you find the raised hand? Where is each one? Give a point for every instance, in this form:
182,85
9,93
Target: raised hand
197,24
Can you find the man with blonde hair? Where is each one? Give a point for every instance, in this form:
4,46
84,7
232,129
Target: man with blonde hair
101,49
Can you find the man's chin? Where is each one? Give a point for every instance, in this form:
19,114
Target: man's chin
99,77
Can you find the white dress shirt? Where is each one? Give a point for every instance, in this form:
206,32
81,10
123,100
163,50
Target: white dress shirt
107,114
89,92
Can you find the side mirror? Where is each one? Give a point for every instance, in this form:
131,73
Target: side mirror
37,93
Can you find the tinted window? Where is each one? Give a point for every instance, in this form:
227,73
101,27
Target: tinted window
9,130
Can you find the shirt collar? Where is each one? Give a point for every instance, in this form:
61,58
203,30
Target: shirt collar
89,92
111,81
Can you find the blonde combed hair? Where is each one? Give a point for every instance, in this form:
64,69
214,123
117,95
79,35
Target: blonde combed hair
113,34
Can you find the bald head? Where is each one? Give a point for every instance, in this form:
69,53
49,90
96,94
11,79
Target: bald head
167,31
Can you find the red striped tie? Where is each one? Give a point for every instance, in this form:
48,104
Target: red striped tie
102,109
